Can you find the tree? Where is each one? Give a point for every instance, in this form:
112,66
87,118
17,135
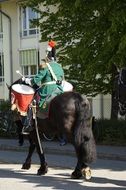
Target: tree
91,35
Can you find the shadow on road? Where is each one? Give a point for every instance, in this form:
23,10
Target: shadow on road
57,178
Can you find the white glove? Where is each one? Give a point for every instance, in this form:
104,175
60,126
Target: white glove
28,81
23,79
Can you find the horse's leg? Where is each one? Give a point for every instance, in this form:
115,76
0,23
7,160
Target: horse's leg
76,174
19,132
81,169
43,165
85,150
27,163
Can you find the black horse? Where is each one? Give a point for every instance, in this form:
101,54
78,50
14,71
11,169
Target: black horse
121,91
70,114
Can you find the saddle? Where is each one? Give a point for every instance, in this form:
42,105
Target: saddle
43,111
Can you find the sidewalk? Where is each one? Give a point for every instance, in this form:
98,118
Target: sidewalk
53,147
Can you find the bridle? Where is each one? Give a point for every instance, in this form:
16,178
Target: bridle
122,104
120,81
122,107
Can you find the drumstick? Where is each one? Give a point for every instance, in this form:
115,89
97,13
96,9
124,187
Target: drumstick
18,72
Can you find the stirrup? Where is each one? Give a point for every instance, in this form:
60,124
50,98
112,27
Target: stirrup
26,130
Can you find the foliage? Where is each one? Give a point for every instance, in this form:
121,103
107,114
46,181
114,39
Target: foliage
4,106
110,132
91,35
7,125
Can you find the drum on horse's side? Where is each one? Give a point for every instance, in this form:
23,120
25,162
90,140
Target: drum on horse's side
67,87
21,97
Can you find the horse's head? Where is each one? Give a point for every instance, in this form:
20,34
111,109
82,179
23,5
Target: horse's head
122,91
122,76
122,108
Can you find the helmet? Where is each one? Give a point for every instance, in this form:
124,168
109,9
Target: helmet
51,51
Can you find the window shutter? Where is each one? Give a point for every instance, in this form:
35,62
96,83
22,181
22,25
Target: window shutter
29,57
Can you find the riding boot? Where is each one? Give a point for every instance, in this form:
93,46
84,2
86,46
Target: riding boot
27,125
27,122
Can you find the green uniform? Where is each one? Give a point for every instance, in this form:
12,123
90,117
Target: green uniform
47,91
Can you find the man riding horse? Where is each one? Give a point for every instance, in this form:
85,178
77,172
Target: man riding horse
49,77
69,114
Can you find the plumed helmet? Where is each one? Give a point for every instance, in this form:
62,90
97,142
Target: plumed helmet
51,51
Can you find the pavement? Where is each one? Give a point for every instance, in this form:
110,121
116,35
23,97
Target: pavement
53,147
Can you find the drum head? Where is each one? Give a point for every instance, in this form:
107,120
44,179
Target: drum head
23,89
67,86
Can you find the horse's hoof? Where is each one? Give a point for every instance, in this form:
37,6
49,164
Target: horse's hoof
86,172
26,166
43,169
76,175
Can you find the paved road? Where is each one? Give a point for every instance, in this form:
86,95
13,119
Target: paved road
104,152
106,174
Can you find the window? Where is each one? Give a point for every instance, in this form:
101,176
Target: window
27,27
1,67
29,61
29,71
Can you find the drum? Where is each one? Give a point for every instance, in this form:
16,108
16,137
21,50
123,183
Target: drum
67,86
22,96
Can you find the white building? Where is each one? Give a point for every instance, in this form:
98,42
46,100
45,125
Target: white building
20,50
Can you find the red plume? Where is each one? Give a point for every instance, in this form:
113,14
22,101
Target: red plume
52,43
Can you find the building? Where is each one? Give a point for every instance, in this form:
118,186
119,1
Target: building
20,50
19,44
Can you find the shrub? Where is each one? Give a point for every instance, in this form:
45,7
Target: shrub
4,106
110,132
7,127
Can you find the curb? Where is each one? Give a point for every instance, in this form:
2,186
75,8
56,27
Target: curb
68,152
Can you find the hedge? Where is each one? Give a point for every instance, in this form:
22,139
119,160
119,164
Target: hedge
110,132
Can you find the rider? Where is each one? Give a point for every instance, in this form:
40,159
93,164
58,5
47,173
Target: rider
50,78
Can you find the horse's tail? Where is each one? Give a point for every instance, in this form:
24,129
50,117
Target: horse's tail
83,135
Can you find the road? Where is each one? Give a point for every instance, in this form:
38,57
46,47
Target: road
106,174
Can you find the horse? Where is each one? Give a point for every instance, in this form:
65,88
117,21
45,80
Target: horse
69,114
121,91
